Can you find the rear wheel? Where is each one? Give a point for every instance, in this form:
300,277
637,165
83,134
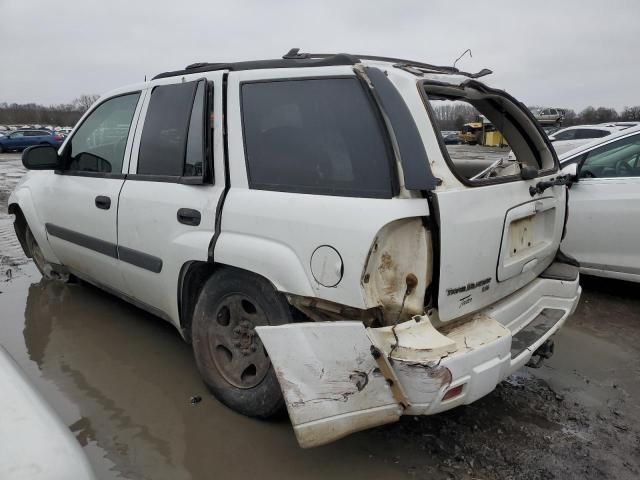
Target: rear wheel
229,354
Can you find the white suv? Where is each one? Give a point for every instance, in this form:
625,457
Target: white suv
550,116
301,222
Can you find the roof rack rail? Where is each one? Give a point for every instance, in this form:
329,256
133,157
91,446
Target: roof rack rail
401,62
294,58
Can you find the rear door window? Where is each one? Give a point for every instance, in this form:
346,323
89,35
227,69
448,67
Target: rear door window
318,136
172,142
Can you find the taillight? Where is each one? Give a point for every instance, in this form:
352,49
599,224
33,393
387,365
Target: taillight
453,392
58,137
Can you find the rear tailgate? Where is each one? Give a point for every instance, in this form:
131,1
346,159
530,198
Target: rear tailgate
494,240
497,234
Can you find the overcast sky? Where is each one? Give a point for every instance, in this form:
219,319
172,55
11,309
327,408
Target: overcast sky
569,53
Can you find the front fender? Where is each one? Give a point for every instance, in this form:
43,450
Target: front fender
22,198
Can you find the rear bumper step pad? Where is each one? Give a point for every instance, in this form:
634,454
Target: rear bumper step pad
540,325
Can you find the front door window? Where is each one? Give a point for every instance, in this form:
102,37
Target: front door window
98,145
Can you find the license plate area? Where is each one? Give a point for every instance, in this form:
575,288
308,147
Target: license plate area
521,236
529,237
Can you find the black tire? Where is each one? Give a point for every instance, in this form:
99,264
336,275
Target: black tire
1,149
229,354
36,253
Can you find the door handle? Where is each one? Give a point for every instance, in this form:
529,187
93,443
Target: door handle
188,216
103,202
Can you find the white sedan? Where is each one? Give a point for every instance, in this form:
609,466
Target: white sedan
604,207
572,137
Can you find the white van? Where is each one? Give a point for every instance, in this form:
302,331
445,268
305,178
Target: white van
302,223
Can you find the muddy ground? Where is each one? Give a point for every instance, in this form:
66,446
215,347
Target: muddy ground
122,380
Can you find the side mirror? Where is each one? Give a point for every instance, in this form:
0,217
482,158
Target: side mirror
571,170
527,172
41,157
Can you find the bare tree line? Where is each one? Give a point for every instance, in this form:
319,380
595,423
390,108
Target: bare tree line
453,116
32,113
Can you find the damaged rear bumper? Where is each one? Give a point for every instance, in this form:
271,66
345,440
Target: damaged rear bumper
340,377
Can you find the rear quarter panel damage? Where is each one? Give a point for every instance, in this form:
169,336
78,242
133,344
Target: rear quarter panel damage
398,270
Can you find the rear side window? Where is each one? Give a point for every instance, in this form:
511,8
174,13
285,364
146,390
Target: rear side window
318,136
172,141
566,135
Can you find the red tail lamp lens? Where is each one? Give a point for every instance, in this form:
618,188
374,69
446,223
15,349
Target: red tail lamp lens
453,392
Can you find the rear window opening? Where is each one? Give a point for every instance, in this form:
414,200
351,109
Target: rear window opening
487,137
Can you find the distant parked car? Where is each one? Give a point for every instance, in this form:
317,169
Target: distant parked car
21,139
451,139
548,116
572,137
604,220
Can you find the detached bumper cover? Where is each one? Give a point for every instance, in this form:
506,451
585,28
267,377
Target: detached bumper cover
340,377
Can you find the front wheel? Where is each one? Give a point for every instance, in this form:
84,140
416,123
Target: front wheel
231,359
45,268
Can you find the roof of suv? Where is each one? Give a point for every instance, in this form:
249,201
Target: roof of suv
294,59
